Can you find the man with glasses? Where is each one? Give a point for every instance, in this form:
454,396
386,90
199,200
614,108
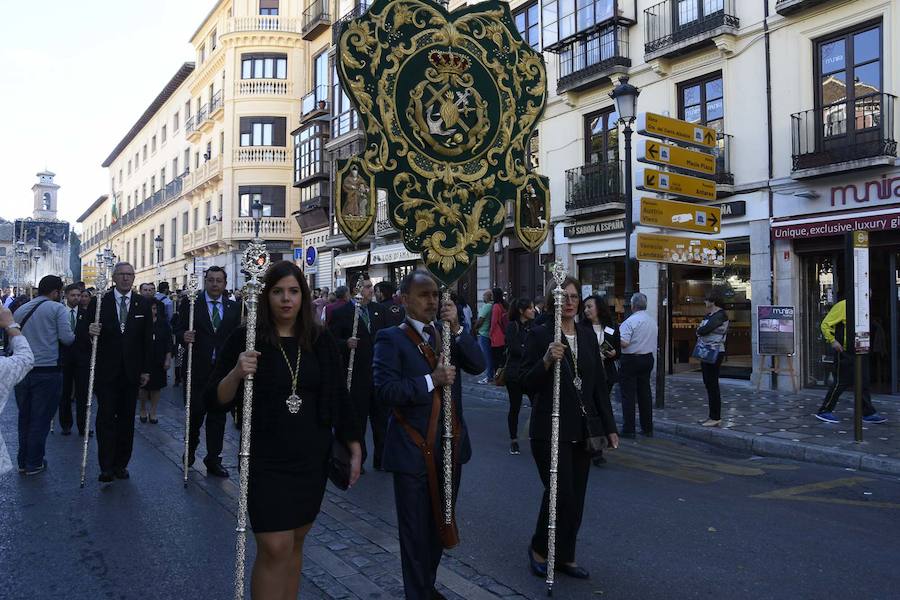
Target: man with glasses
125,336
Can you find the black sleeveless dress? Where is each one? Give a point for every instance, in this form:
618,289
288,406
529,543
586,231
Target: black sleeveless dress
289,452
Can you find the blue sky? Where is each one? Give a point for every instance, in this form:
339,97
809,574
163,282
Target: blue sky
77,75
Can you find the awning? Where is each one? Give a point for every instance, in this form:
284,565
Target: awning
351,259
836,225
391,254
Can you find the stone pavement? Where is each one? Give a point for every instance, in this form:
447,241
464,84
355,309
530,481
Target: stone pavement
770,423
350,553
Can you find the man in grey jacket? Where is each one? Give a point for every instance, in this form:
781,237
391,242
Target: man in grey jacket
45,324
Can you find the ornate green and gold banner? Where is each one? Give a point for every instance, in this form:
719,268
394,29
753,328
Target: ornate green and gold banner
448,102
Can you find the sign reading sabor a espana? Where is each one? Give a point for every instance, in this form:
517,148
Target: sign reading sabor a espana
448,101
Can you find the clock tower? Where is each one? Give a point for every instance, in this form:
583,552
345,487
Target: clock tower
45,196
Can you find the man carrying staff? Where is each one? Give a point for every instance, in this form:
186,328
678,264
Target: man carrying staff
123,366
215,317
409,380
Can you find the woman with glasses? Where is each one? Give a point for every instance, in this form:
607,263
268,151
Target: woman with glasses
583,398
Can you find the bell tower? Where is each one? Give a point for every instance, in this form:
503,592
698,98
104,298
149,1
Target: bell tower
45,196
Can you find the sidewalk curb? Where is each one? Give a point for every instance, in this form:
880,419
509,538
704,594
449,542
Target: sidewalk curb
767,446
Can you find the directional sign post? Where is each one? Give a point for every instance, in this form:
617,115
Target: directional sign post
653,180
658,126
680,215
680,250
668,155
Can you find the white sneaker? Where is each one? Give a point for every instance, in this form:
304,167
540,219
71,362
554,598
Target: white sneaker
711,423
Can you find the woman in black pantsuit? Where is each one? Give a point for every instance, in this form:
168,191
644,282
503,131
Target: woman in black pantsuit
596,313
521,314
160,361
295,357
580,357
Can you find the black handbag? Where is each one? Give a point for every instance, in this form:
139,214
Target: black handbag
339,465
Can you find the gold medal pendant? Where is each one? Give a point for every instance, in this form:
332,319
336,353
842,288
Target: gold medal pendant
294,403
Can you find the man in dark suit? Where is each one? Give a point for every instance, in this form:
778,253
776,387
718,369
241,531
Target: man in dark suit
407,382
361,390
215,317
68,357
123,366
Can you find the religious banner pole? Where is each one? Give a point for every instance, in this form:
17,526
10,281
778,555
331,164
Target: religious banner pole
254,264
357,294
559,275
192,288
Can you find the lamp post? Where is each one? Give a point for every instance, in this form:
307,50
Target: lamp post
158,246
625,96
256,210
35,256
21,258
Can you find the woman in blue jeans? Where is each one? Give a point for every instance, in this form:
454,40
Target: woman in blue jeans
711,333
483,328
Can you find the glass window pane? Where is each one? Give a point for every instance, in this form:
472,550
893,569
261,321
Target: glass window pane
550,12
533,14
692,114
270,68
691,95
715,109
566,26
281,70
585,18
833,56
834,120
603,10
867,79
534,37
566,7
246,69
834,88
687,11
713,6
713,89
245,139
867,45
520,22
267,134
550,36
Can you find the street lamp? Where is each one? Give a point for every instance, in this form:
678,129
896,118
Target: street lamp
35,256
158,246
625,96
256,210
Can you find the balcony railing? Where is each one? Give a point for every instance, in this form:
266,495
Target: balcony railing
316,18
676,26
203,173
202,112
595,187
789,7
844,132
264,87
722,152
589,59
315,102
262,23
336,28
217,102
383,224
268,226
190,124
261,155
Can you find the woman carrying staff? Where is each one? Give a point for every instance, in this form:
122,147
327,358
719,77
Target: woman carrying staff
597,313
711,333
300,404
160,361
583,391
521,315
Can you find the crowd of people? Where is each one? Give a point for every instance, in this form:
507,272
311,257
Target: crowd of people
328,366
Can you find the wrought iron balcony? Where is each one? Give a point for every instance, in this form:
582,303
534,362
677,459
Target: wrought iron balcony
595,188
336,28
790,7
189,124
202,113
316,18
216,104
675,27
315,103
591,57
844,136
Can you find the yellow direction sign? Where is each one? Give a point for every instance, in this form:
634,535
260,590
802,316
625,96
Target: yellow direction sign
680,250
680,215
668,155
653,180
658,126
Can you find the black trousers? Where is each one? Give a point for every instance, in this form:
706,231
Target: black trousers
514,389
116,401
420,544
361,403
572,478
844,379
378,417
215,426
634,380
70,392
711,381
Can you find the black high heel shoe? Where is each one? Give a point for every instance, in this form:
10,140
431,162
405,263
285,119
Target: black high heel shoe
538,569
143,419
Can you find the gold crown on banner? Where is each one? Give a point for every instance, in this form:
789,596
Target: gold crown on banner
448,62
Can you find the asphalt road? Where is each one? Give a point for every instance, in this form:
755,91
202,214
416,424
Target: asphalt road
663,519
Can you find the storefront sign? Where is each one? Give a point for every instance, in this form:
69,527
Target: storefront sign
581,230
680,215
775,328
884,189
652,180
658,126
861,290
735,208
884,222
392,254
680,250
668,155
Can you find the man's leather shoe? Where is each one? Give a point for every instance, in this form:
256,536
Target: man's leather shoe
573,571
122,474
216,469
106,477
539,569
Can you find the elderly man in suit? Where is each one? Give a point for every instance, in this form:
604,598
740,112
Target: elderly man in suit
408,380
215,317
123,366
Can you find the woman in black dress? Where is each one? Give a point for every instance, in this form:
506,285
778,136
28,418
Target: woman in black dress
596,312
160,361
295,358
521,314
582,390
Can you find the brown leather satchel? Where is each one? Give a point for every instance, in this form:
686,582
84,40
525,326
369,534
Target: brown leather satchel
449,534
